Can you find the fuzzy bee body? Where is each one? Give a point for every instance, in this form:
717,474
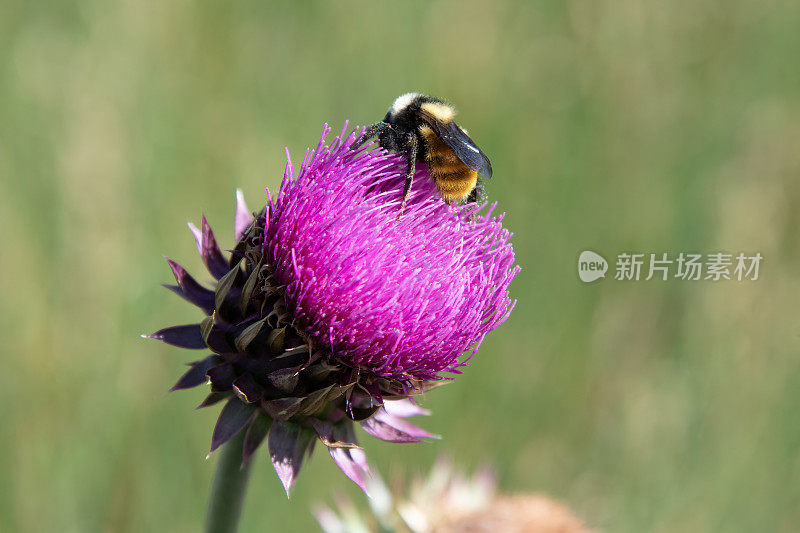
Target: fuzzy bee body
422,127
455,180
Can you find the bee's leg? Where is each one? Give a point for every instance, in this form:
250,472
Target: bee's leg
478,194
411,150
375,129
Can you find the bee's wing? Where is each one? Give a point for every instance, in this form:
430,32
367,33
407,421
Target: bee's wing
458,141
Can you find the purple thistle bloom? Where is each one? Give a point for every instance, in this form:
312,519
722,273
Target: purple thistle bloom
399,298
330,310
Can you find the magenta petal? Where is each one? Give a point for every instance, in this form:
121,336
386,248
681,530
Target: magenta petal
404,408
360,458
384,431
243,217
352,468
392,428
287,444
350,460
198,237
402,425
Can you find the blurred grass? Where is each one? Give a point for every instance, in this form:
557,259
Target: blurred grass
612,126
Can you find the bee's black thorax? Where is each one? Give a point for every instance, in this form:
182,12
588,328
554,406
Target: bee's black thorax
406,121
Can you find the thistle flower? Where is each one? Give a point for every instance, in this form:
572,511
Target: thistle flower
446,500
330,311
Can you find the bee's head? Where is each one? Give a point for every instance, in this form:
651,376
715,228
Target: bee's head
388,139
402,118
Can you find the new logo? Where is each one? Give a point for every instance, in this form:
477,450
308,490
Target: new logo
591,266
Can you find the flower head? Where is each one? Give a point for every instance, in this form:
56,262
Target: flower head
330,310
447,500
403,298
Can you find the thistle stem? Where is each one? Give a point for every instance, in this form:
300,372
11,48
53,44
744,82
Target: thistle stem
228,488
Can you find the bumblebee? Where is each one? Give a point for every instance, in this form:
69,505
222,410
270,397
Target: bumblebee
422,127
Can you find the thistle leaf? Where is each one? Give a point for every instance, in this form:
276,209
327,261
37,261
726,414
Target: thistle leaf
221,377
282,408
213,398
247,290
326,433
232,419
205,327
197,374
288,444
256,433
210,252
284,379
276,339
189,289
187,336
249,333
224,285
247,389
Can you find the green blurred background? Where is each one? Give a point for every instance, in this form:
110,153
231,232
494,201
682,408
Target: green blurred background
612,125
